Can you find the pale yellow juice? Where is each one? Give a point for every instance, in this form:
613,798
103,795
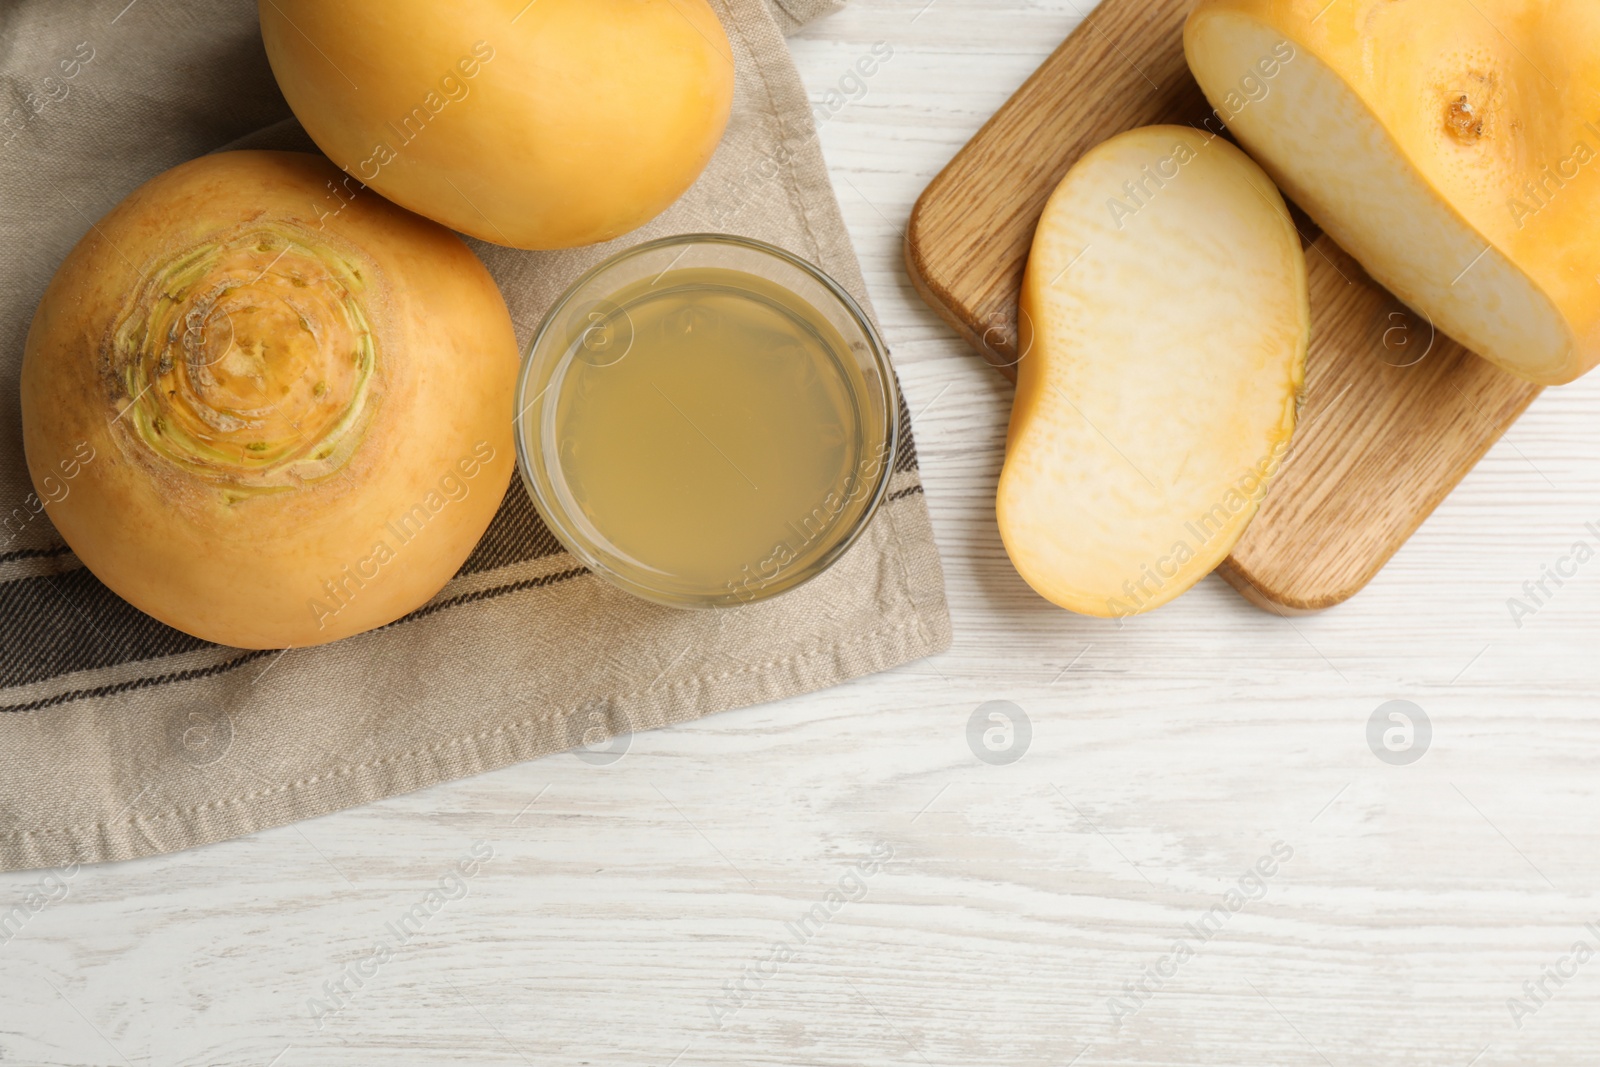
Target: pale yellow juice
708,436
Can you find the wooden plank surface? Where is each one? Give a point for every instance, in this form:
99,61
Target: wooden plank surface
1394,416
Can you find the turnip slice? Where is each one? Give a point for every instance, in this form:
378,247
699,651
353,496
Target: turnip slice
1165,322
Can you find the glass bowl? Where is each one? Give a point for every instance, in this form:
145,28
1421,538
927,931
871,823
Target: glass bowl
748,366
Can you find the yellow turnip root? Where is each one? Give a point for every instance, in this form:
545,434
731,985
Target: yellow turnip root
545,124
296,397
1452,146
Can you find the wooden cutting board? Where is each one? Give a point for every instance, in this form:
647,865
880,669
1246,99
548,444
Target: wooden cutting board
1394,415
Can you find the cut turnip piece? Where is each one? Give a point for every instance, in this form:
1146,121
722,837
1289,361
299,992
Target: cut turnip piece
1165,321
1451,146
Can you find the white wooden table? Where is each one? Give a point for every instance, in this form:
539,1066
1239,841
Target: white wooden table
1023,900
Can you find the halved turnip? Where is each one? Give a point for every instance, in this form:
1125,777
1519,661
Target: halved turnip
1166,320
1448,145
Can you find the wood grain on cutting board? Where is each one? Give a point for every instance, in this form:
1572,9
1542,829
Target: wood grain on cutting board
1394,414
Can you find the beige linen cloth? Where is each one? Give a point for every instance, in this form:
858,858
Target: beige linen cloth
120,737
